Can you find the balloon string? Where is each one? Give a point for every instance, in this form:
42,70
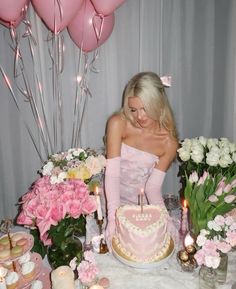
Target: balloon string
18,108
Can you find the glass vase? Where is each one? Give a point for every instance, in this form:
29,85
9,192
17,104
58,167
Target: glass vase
88,284
221,271
207,278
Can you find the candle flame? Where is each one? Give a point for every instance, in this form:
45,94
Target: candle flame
142,191
188,240
96,191
185,203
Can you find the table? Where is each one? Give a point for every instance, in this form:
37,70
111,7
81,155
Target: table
168,275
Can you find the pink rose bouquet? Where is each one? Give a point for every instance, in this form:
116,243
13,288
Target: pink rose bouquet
57,203
219,237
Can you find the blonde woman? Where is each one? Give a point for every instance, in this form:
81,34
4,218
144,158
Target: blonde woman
141,144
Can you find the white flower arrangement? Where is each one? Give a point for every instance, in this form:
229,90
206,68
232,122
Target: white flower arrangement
216,156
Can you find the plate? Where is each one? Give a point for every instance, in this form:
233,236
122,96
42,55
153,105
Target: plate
27,248
125,260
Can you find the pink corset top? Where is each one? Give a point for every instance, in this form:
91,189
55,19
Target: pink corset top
136,167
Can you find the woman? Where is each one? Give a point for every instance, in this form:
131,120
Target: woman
141,144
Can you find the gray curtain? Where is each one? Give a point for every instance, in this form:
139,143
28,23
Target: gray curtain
191,40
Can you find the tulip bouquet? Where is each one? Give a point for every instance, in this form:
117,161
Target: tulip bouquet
218,237
207,197
57,203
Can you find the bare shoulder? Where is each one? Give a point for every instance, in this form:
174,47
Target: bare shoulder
116,122
115,131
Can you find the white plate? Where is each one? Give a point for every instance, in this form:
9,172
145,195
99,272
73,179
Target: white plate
138,264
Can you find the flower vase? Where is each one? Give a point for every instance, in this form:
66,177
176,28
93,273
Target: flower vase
62,255
207,278
221,271
87,285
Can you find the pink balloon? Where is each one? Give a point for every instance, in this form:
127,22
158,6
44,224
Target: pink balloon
106,7
88,30
57,14
16,22
10,10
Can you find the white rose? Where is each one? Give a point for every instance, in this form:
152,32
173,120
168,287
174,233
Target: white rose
201,240
203,140
197,156
225,160
223,141
69,157
204,232
212,142
187,143
234,157
214,150
94,165
77,152
212,159
232,147
47,169
216,227
54,180
225,150
184,154
62,176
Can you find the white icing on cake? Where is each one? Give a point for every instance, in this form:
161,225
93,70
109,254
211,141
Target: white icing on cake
142,236
37,284
12,278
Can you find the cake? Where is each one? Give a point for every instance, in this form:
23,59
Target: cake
16,251
141,236
12,280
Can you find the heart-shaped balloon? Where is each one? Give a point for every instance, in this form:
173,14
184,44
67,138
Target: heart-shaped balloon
57,14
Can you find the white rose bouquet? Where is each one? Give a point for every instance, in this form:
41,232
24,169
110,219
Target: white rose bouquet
216,156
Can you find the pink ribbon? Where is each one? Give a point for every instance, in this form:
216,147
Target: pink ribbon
166,80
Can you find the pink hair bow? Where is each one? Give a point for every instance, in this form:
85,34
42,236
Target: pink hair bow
166,80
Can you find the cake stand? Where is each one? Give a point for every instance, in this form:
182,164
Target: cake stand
41,273
139,265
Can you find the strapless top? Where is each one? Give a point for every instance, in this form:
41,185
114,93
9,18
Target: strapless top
136,167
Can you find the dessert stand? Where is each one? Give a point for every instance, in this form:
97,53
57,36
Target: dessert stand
41,273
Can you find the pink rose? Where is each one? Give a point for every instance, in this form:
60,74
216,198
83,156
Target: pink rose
22,219
89,205
223,247
74,208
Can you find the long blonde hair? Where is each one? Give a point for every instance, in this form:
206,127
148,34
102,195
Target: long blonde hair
150,89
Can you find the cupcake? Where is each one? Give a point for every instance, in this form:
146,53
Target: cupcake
24,259
28,270
16,251
5,241
37,284
12,280
4,254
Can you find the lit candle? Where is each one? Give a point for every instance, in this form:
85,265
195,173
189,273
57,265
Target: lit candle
184,217
3,272
63,278
189,244
99,207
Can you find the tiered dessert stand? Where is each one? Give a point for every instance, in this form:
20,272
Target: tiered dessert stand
41,273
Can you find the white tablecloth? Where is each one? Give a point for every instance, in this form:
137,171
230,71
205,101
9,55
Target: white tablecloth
168,275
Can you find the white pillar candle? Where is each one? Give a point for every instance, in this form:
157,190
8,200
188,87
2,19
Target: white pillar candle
63,278
184,217
99,207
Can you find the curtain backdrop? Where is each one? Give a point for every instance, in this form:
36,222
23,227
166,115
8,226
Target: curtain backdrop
191,40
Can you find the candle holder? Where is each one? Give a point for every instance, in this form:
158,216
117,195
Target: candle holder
103,248
185,256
